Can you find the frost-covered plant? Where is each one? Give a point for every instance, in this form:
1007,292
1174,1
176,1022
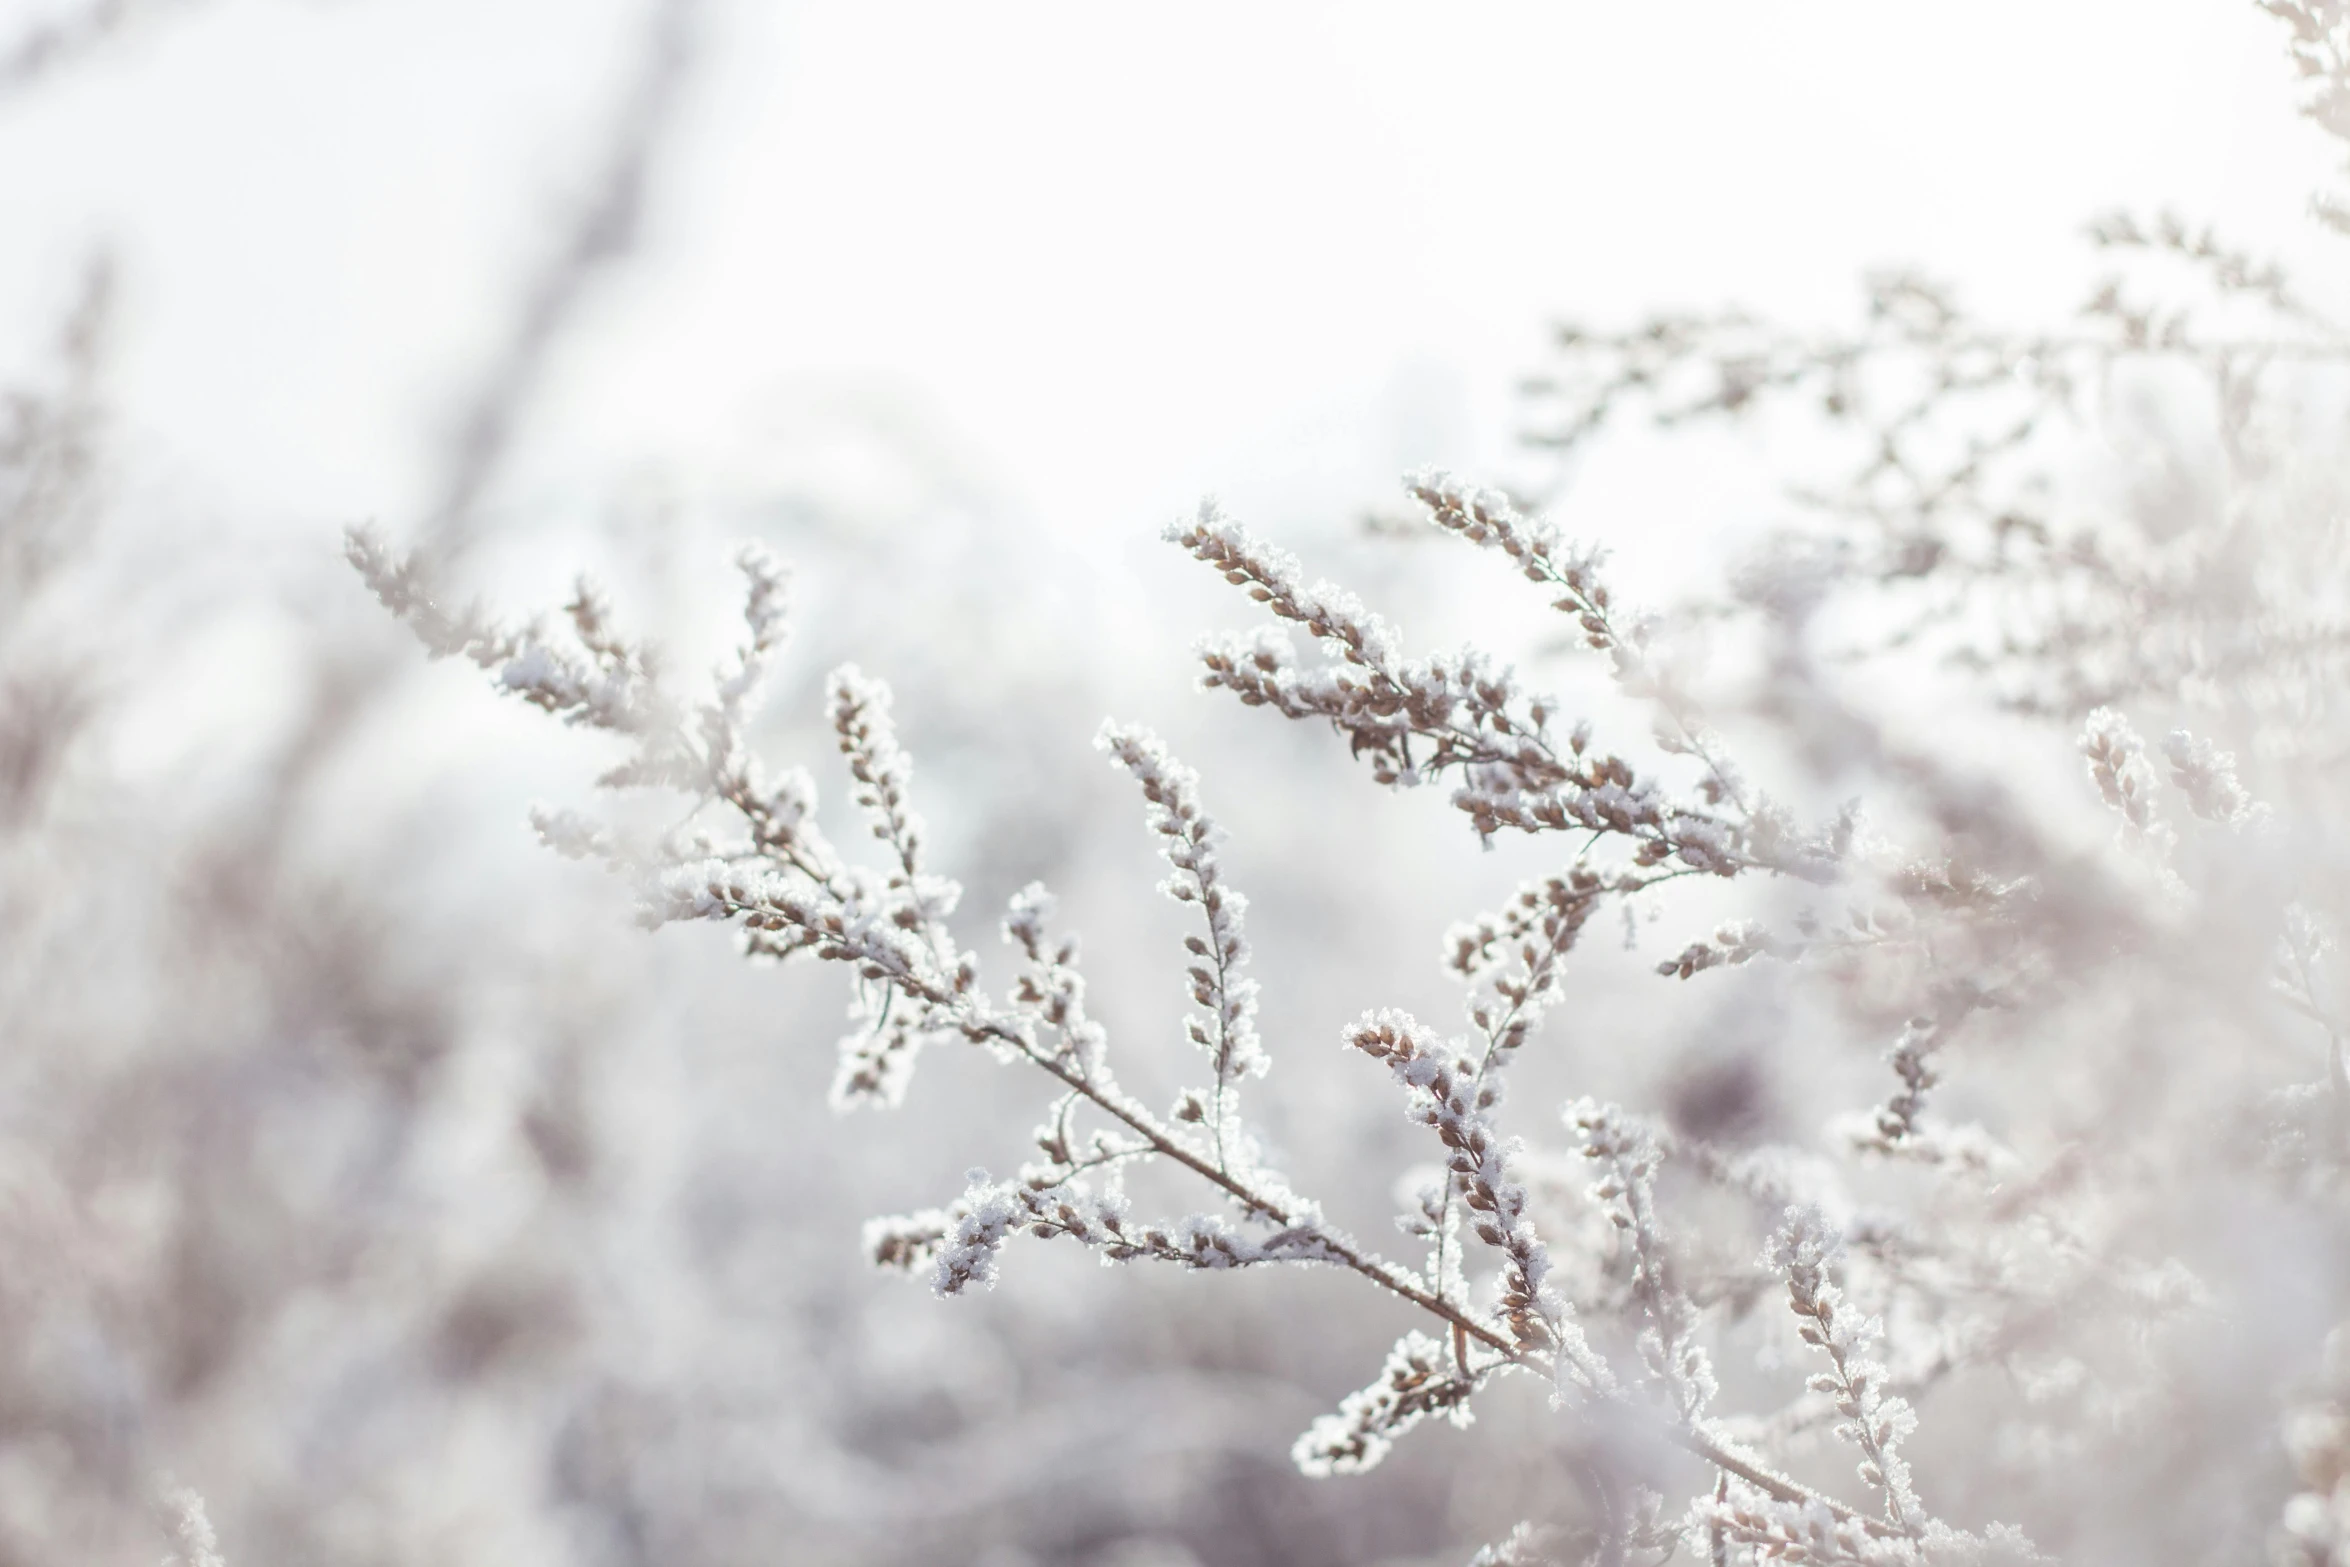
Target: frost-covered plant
2057,1279
2019,1251
791,891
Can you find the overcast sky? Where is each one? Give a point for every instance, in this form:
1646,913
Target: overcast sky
1108,256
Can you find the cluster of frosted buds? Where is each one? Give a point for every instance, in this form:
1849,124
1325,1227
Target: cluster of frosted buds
1741,941
766,618
1050,988
1530,789
2207,777
1631,1154
1807,1533
1874,1421
871,935
1815,1535
614,686
1421,1378
1450,1096
2124,778
1271,577
1461,712
1516,954
605,682
861,724
1225,1026
402,584
1897,1127
961,1243
1487,517
877,1059
1913,1062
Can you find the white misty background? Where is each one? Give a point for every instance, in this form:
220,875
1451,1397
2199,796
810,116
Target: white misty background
365,1172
